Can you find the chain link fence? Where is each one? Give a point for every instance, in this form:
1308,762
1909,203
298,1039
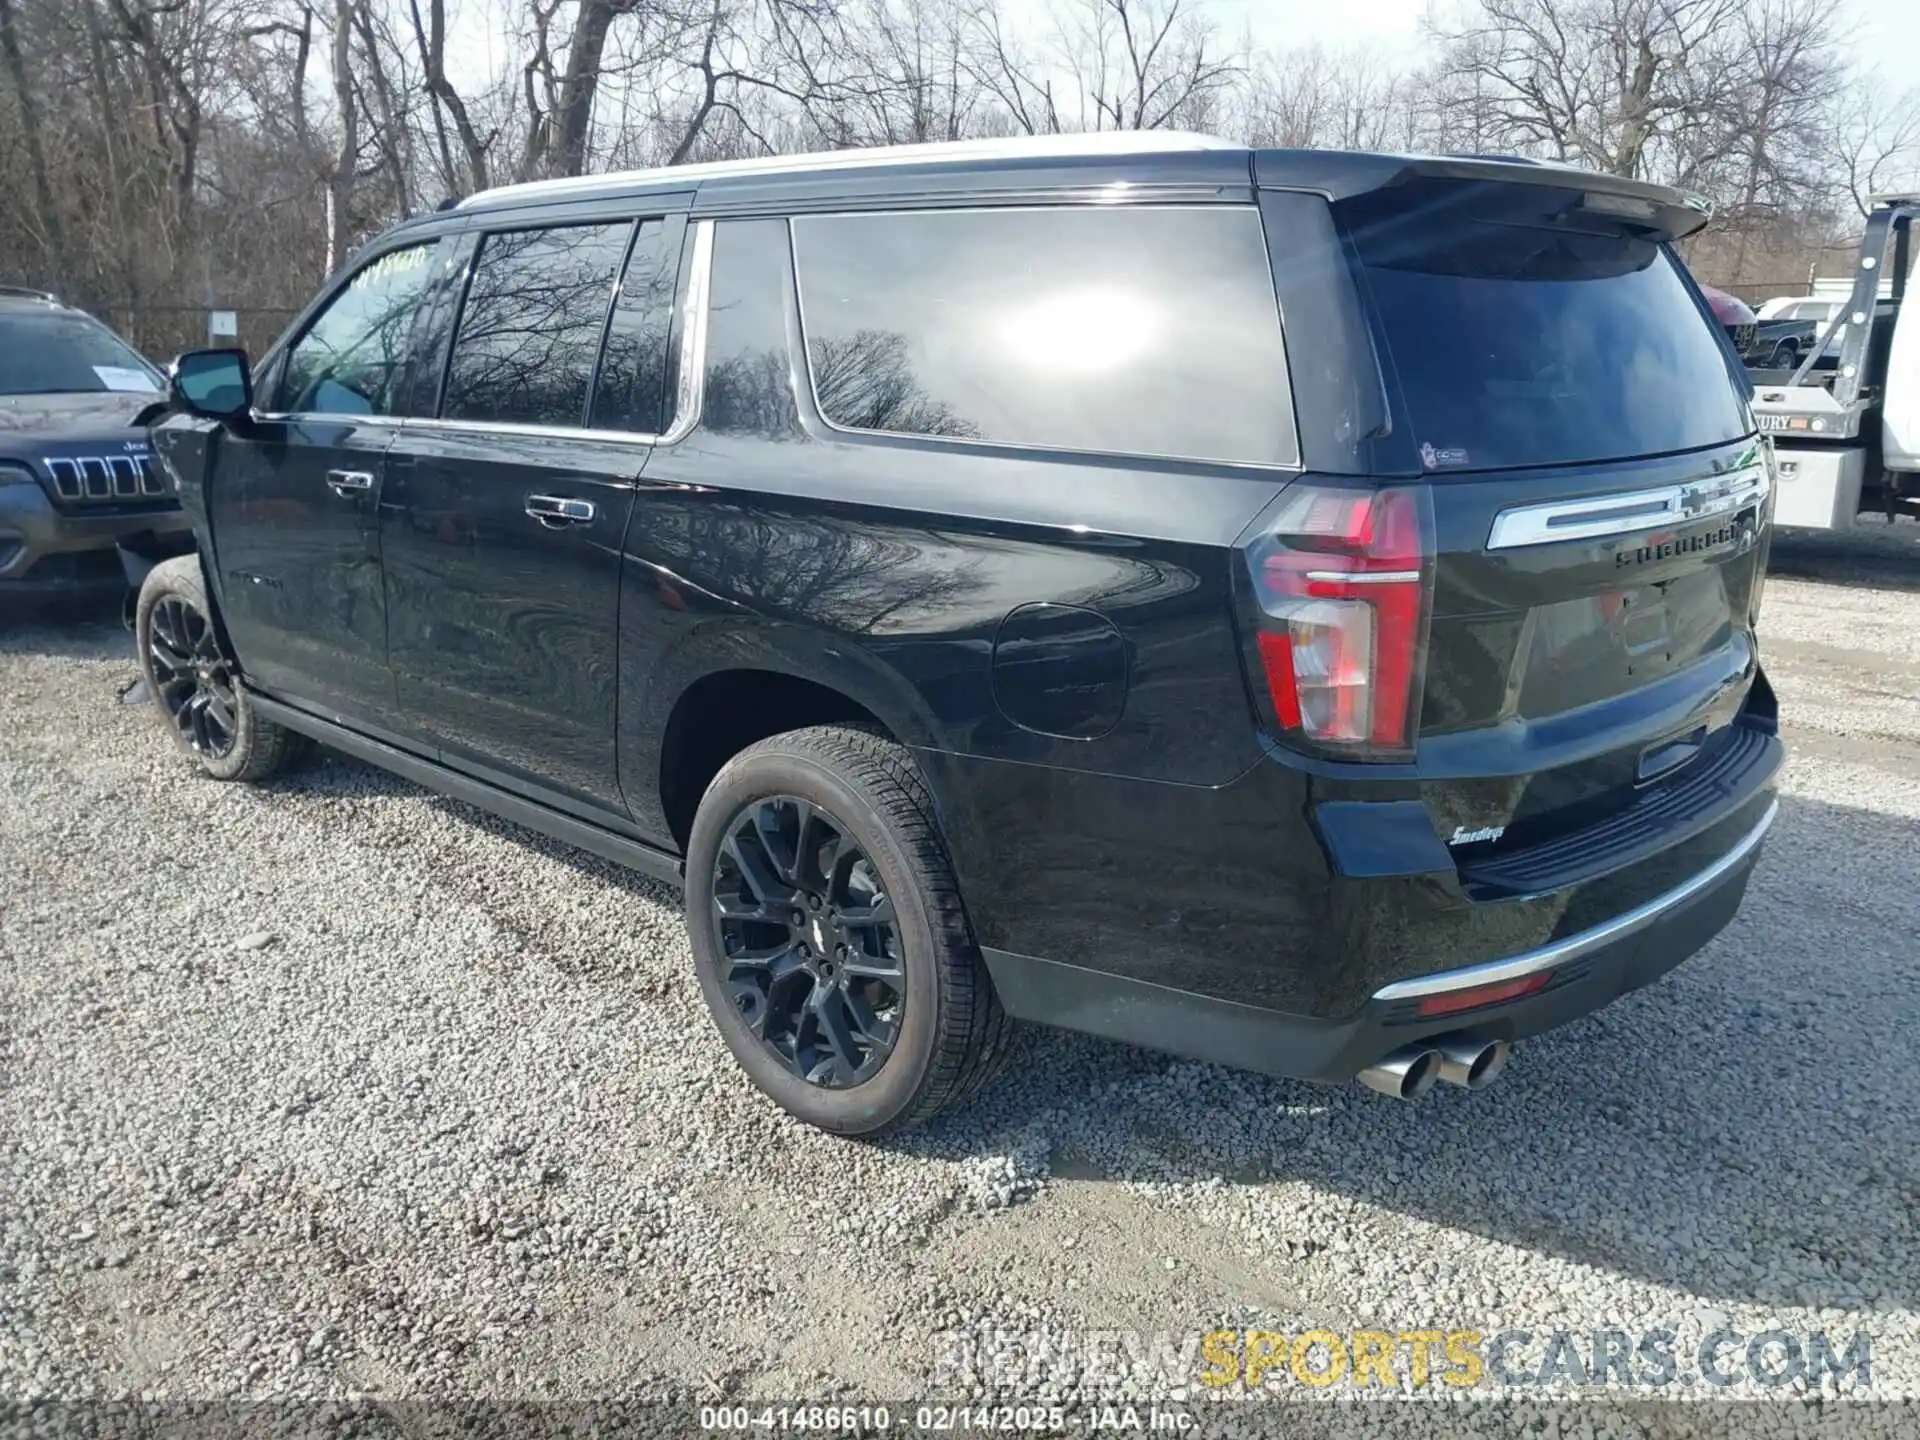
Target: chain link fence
162,330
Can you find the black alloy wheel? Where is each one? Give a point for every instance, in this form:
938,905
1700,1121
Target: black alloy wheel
196,683
192,680
828,935
812,956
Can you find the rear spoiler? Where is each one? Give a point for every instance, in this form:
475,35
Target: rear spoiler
1340,175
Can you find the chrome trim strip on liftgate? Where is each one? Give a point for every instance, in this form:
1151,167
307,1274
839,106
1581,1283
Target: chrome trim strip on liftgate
1603,515
1572,947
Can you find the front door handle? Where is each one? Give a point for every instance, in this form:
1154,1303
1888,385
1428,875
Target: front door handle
554,511
349,482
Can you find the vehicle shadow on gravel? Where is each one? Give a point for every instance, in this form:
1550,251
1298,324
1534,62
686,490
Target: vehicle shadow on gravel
1872,553
331,774
69,629
1724,1133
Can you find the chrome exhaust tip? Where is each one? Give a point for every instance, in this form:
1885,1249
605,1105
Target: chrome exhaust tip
1469,1062
1405,1074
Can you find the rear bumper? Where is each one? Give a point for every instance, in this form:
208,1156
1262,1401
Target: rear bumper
46,551
1585,970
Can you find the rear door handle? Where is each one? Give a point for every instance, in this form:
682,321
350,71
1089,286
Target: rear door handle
554,511
349,482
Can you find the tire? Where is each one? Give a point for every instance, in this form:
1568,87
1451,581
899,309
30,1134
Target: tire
948,1032
193,680
1786,356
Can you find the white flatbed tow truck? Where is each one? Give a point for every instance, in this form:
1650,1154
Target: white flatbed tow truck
1846,436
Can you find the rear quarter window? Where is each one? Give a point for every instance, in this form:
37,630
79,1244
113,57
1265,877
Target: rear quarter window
1135,330
748,385
1522,333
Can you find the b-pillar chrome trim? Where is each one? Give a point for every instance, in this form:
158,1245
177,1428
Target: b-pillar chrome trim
693,344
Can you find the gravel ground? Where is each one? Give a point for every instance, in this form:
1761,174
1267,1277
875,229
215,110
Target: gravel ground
335,1088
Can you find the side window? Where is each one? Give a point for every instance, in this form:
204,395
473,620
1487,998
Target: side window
354,355
749,387
529,333
636,369
1148,331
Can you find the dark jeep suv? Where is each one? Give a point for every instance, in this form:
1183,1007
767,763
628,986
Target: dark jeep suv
1292,609
75,475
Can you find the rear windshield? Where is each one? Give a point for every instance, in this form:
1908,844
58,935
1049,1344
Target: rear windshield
51,352
1525,331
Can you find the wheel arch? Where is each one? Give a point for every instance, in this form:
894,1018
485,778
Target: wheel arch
727,685
198,554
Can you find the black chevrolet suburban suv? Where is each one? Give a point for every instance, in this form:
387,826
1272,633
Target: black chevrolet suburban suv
76,480
1293,609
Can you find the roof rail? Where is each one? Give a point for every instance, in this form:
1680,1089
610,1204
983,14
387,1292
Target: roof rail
27,292
1093,143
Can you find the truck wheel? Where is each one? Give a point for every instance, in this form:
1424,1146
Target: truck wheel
829,938
192,680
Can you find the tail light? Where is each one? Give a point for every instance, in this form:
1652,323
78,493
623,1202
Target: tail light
1342,580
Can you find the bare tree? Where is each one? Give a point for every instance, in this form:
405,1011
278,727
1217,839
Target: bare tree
340,183
1762,151
592,21
1107,65
911,82
47,213
1003,66
1346,100
1147,60
1600,82
1874,144
385,98
446,104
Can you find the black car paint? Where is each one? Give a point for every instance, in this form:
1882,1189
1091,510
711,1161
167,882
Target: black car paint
302,595
501,632
1116,809
1334,1043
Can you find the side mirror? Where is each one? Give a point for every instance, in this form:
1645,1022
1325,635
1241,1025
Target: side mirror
213,384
